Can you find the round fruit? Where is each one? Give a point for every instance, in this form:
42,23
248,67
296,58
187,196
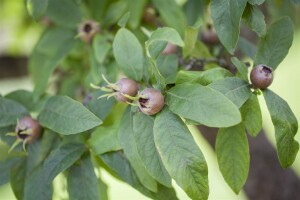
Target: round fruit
28,129
149,16
209,36
87,30
151,101
261,76
169,49
126,86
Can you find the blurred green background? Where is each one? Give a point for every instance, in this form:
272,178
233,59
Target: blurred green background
18,35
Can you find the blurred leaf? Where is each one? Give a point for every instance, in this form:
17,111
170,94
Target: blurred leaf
180,154
241,67
114,13
82,181
255,19
129,54
101,47
194,9
5,167
233,156
127,142
246,47
61,159
200,51
46,55
36,8
103,189
120,165
203,105
202,77
105,139
235,89
258,2
172,14
136,9
69,18
124,19
97,8
160,37
17,178
275,45
190,39
25,98
10,111
296,1
168,65
226,16
252,115
144,139
286,127
67,116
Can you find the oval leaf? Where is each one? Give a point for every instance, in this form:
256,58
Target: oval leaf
275,45
255,19
67,116
286,127
36,8
233,156
235,89
143,136
180,154
127,142
129,54
226,16
203,105
252,115
10,112
83,176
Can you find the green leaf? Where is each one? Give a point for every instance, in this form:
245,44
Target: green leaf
127,142
256,2
25,98
103,188
241,67
275,45
286,127
36,8
123,21
202,77
233,156
105,139
136,10
190,38
129,54
235,89
194,10
144,139
101,47
61,159
226,16
180,154
172,14
255,19
167,66
10,111
251,114
100,107
203,105
17,178
36,186
58,13
82,181
120,165
114,13
159,38
46,55
246,47
296,1
67,116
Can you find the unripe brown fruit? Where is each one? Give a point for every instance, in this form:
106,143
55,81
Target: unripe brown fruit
28,129
151,101
87,30
149,16
261,76
209,36
169,49
126,86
